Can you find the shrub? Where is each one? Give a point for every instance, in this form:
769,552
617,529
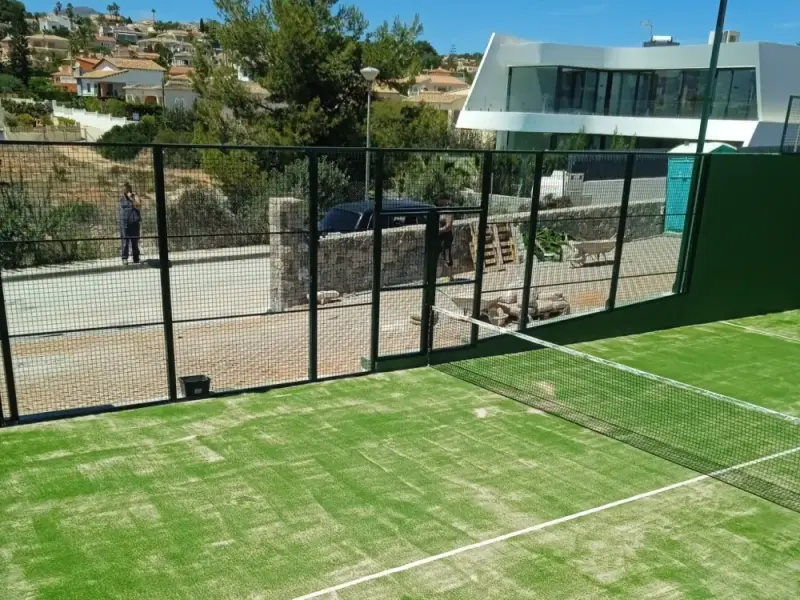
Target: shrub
333,185
425,178
42,88
134,133
115,108
26,120
67,122
36,232
178,158
197,212
550,240
35,109
10,84
92,104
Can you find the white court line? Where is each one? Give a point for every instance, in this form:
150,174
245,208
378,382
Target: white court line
538,527
788,338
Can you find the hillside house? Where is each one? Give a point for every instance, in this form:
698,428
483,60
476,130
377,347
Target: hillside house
111,75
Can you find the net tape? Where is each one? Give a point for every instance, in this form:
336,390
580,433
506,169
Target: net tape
706,431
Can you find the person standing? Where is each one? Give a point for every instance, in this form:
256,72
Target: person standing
445,236
130,224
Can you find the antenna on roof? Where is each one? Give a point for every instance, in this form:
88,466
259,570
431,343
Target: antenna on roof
649,25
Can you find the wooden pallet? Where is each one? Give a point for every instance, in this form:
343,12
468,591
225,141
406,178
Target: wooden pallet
500,247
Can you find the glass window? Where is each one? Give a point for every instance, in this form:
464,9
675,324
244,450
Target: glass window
613,100
722,92
531,89
589,92
644,95
627,93
602,90
667,92
694,85
570,90
741,104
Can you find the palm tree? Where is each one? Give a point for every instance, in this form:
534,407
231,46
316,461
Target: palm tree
153,10
57,8
113,8
70,14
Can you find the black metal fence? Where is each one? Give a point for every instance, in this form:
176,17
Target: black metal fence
262,267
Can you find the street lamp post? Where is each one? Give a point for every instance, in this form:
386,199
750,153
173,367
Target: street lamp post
369,74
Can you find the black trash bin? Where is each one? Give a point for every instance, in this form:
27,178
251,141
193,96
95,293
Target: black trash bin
195,386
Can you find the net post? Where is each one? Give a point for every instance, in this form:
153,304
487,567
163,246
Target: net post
786,123
163,261
377,249
623,221
483,220
313,246
533,219
693,234
8,363
429,279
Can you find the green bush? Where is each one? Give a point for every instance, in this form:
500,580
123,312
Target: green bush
178,158
35,109
425,177
91,104
333,185
67,122
36,232
42,88
26,120
200,211
138,134
10,84
550,241
115,108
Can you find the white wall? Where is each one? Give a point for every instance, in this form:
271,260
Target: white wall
96,123
777,75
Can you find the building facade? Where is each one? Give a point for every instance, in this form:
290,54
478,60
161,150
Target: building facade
111,75
531,92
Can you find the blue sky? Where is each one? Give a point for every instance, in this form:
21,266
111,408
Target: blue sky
467,24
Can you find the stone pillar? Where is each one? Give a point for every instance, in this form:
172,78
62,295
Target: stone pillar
288,253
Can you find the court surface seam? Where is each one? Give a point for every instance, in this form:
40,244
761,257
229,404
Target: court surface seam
780,336
538,527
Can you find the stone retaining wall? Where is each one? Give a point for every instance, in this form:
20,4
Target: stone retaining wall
345,261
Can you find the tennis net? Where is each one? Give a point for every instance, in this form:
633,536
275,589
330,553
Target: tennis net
748,446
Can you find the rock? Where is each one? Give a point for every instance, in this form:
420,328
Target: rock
328,296
508,298
497,316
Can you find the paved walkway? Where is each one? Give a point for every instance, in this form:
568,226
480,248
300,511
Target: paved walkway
124,365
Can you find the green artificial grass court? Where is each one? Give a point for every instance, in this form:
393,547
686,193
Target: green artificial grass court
289,492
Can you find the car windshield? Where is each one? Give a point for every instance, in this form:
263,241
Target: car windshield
339,220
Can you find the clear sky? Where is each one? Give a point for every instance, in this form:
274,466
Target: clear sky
467,24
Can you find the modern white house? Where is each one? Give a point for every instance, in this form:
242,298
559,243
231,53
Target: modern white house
531,92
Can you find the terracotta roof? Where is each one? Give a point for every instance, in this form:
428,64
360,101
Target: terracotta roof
435,79
88,59
436,98
103,73
147,55
179,71
46,37
133,63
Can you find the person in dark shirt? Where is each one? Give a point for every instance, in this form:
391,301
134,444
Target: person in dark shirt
130,224
445,236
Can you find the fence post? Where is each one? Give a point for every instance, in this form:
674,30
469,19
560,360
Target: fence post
8,363
377,242
533,220
623,220
431,265
483,220
163,261
313,246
